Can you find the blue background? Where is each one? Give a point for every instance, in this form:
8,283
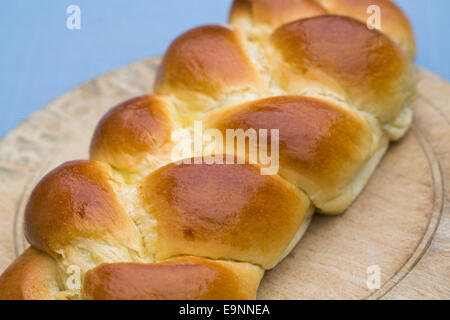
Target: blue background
40,59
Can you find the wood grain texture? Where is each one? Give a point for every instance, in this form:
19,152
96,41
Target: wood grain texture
401,221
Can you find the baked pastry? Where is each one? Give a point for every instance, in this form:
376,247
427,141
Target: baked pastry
133,223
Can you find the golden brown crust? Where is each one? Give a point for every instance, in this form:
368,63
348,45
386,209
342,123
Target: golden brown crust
340,55
394,22
223,211
205,63
75,202
133,132
273,13
32,276
185,278
322,144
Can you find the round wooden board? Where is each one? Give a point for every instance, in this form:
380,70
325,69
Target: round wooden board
400,222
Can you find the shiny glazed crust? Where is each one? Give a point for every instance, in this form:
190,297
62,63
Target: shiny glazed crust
186,278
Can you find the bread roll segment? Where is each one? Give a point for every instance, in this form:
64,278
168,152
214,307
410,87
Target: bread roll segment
260,17
184,278
333,54
139,224
393,21
224,211
324,145
205,68
135,135
33,276
74,215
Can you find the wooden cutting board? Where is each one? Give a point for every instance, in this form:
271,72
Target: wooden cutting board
400,223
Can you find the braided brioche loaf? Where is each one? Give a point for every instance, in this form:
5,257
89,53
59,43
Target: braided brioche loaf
140,226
